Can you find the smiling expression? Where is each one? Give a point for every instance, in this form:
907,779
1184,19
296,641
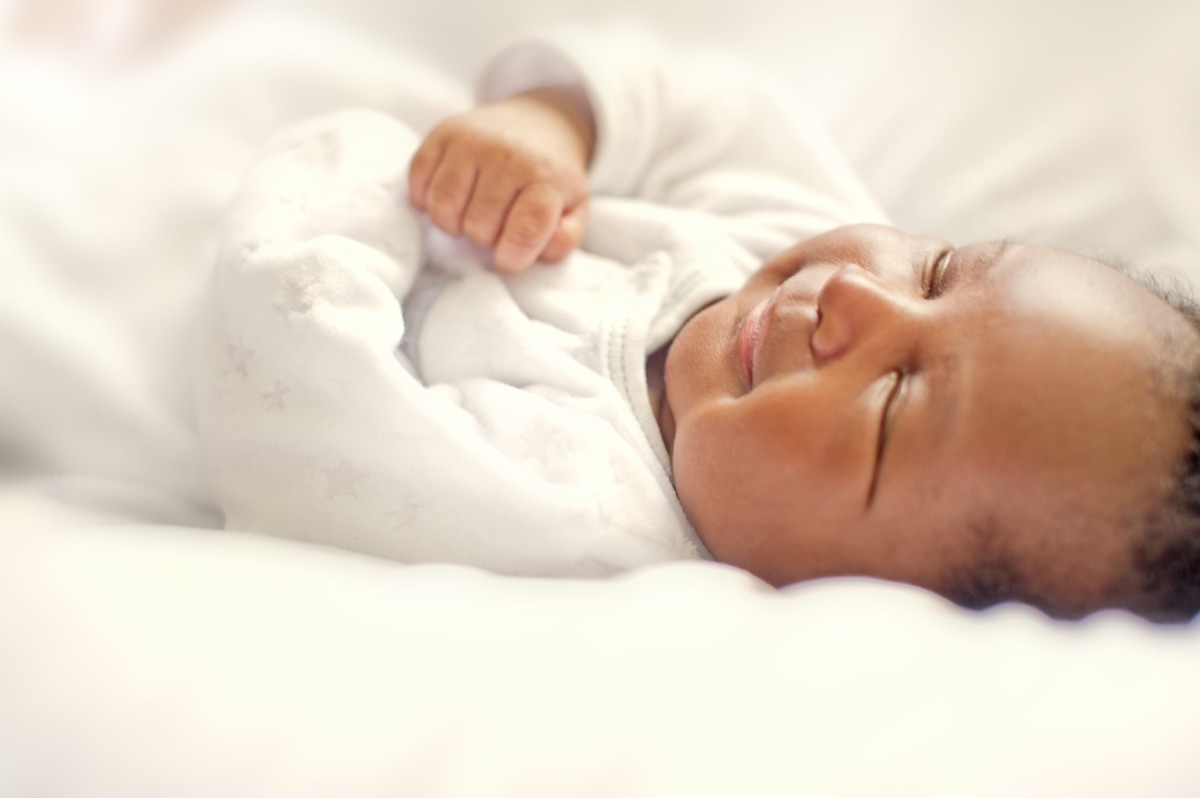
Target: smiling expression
876,404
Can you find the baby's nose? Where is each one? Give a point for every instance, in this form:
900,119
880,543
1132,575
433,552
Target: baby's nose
854,306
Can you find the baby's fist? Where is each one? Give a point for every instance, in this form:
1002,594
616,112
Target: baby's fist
511,176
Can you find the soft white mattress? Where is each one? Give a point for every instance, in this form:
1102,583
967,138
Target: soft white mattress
145,654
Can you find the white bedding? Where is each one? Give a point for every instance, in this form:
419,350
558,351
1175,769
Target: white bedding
145,654
163,662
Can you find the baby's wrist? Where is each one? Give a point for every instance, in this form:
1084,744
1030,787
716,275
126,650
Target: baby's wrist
569,105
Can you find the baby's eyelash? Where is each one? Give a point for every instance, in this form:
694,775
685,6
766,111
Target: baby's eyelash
934,284
896,379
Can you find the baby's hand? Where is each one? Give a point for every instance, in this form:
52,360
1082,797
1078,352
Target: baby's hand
510,176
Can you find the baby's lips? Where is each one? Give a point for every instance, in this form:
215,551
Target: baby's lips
750,336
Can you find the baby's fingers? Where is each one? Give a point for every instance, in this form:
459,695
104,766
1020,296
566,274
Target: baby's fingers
567,235
530,224
449,192
424,165
495,191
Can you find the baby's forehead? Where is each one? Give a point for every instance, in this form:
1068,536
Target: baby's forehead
1083,298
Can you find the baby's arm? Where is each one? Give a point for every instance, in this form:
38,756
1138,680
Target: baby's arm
510,175
693,132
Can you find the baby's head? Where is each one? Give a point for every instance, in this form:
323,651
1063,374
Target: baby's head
989,422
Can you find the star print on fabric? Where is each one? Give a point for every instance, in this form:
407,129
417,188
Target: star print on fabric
297,294
403,516
644,277
276,398
342,480
240,357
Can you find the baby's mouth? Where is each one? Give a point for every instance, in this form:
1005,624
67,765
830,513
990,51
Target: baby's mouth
751,334
791,310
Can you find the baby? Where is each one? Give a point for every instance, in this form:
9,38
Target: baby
991,421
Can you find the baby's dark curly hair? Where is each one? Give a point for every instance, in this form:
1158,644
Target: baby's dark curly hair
1166,555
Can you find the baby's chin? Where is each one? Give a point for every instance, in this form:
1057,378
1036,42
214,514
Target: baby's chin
701,365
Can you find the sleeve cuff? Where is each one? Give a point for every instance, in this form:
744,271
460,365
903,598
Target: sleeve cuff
620,97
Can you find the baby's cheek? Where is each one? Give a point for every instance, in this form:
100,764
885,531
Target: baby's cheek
716,484
696,476
700,368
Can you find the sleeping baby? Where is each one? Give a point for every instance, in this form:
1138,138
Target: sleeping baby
629,310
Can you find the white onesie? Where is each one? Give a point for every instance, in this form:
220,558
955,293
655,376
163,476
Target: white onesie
368,383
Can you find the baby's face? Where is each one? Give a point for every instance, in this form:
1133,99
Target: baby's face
876,404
